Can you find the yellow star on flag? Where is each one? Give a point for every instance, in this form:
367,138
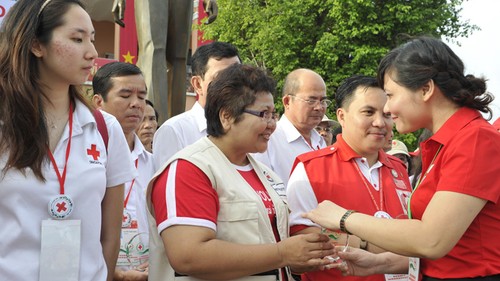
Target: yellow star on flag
128,57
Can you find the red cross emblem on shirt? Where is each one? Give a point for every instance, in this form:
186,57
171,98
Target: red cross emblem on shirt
93,152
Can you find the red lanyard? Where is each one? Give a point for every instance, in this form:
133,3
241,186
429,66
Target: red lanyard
131,185
62,178
381,190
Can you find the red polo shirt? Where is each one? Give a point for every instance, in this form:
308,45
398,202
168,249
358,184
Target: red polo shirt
468,163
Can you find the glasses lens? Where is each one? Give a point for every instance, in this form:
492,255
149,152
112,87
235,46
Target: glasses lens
326,102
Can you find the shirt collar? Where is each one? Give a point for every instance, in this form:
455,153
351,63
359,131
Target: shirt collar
347,153
199,113
138,148
82,116
292,134
456,122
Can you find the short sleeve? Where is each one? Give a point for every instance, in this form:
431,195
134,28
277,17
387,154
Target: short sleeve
301,199
472,166
183,194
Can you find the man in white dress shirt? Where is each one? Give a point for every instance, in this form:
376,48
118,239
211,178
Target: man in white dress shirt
120,90
188,127
305,102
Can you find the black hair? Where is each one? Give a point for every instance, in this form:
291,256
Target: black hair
216,50
345,91
101,83
414,63
23,127
233,89
148,102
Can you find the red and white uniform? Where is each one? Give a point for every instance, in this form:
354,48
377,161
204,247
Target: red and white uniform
196,201
334,174
24,198
468,163
199,186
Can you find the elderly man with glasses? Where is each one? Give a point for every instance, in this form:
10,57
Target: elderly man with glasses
305,102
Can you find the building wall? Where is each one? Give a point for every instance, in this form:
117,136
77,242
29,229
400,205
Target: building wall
105,38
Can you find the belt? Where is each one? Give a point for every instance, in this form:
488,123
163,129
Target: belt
485,278
274,272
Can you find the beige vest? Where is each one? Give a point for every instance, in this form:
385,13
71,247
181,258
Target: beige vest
242,216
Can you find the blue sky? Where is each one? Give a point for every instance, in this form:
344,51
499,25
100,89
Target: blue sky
480,52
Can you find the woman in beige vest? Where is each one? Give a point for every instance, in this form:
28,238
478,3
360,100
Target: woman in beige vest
214,211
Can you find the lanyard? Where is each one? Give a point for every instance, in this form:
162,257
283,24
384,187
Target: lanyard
422,177
62,178
131,185
381,190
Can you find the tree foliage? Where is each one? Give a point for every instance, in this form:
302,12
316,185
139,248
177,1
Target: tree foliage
336,38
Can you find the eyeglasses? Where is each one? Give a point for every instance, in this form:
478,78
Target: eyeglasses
324,129
324,102
266,115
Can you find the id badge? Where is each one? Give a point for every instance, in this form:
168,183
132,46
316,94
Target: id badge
413,269
133,252
60,251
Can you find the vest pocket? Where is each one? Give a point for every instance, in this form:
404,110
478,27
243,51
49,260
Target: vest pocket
238,222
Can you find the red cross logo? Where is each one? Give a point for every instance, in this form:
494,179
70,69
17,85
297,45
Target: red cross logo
125,218
61,207
93,152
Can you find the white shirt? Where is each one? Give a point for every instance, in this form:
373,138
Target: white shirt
285,144
178,132
145,169
24,198
136,204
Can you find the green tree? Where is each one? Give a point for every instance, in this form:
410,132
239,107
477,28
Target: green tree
336,38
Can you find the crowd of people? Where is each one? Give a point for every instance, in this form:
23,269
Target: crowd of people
230,190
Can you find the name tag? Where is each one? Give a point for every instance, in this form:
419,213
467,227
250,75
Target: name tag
60,251
133,252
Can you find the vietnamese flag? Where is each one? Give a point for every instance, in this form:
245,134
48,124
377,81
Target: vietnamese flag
128,35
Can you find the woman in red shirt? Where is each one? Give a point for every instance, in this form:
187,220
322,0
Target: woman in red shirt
454,210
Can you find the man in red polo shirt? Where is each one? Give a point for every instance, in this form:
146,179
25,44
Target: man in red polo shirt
355,172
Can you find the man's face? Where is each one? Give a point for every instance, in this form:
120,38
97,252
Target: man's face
213,67
148,126
304,108
365,126
126,101
325,130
